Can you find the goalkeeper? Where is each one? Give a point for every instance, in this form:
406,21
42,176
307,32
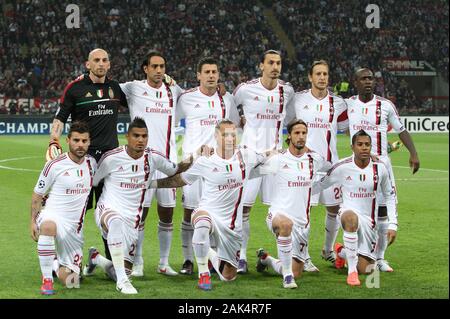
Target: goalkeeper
94,99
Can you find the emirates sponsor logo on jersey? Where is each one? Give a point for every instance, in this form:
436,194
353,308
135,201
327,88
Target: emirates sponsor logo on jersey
158,94
100,93
362,177
319,108
79,172
88,94
111,93
134,168
211,104
229,168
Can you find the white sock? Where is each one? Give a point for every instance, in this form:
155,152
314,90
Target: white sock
273,263
200,242
331,231
284,245
215,261
46,251
351,250
245,235
55,266
106,265
187,231
138,260
382,237
115,245
165,231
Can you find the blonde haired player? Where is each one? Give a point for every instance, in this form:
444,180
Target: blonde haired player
219,214
325,114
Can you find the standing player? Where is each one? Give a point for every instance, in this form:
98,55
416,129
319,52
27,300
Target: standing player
372,113
264,102
126,171
155,101
219,213
325,114
362,181
202,108
288,217
58,228
94,99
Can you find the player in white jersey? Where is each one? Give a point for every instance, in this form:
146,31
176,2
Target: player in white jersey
362,180
155,101
202,108
325,114
58,227
264,102
219,213
126,171
288,216
374,114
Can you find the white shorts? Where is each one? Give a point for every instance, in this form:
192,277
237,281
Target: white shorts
300,236
381,200
262,185
367,234
192,194
332,196
129,231
166,197
69,240
228,241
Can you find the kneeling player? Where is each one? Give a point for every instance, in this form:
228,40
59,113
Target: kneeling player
219,213
58,228
288,217
360,178
126,172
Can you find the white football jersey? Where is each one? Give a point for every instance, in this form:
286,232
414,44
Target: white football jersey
126,180
374,118
324,117
223,182
202,113
157,108
68,185
293,178
264,111
360,188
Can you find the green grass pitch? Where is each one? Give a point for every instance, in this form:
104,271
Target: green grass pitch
419,256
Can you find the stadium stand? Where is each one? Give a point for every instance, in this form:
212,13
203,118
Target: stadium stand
39,55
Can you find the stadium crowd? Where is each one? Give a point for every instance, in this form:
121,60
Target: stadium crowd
39,55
